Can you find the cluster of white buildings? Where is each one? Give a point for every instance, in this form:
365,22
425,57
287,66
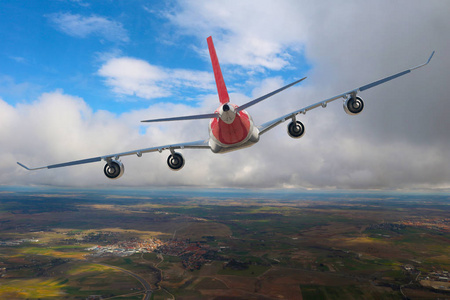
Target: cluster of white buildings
126,248
439,276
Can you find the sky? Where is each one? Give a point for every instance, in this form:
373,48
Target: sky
78,76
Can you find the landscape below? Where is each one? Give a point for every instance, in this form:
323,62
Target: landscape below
222,244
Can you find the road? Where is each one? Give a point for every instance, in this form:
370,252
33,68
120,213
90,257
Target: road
145,284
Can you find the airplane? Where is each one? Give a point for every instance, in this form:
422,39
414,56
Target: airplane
231,127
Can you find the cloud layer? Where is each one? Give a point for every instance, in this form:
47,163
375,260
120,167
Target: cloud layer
400,141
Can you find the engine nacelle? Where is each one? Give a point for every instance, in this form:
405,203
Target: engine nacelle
354,106
296,129
114,169
175,161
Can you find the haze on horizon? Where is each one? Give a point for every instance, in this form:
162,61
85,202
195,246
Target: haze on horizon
78,76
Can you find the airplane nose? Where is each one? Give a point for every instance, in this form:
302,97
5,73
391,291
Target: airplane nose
225,107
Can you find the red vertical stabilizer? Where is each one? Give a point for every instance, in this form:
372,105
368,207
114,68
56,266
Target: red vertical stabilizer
221,88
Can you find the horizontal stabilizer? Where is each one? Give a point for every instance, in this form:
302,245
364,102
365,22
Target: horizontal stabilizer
194,117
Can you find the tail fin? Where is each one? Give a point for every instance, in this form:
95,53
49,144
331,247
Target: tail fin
221,88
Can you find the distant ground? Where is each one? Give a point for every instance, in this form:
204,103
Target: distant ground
222,244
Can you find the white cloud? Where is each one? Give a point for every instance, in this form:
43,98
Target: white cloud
82,27
252,34
59,127
81,3
131,76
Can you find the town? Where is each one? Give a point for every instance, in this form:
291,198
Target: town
193,255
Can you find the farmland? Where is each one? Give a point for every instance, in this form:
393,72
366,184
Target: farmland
208,244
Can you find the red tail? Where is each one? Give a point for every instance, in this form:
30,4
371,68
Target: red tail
221,88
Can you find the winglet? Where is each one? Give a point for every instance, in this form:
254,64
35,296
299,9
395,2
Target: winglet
431,56
220,83
23,166
428,61
30,169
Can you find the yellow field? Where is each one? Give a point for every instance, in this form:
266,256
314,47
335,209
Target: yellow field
30,288
52,252
88,268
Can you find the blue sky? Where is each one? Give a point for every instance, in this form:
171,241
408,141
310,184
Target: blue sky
50,45
77,76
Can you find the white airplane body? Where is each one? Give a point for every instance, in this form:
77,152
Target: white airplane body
230,127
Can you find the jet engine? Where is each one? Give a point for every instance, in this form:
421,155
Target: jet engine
353,105
296,129
114,169
175,161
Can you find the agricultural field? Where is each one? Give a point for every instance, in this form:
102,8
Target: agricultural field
239,244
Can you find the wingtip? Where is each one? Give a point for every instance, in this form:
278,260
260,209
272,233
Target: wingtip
23,166
431,56
30,169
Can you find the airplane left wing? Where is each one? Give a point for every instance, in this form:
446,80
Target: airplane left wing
112,158
352,105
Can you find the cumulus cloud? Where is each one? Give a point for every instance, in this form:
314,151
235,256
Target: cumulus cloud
253,34
61,127
82,26
58,127
131,76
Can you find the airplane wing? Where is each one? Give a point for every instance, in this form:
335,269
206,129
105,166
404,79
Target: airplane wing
271,124
202,144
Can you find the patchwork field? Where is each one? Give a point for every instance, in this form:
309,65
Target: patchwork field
239,245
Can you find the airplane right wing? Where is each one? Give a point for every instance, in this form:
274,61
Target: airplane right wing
353,104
